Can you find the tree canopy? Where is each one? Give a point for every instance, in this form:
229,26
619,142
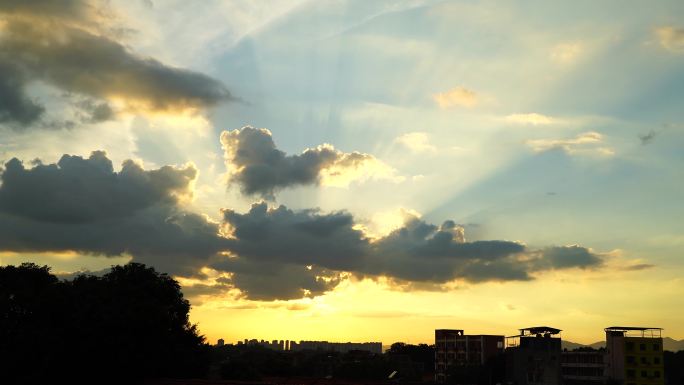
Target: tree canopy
131,323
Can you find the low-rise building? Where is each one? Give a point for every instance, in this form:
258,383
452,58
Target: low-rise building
533,357
634,355
583,366
454,349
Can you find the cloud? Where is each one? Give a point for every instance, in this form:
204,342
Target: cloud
280,253
15,105
648,137
531,118
585,143
93,111
77,190
304,237
70,10
278,281
564,257
416,142
639,267
83,205
458,96
671,38
566,53
259,168
69,45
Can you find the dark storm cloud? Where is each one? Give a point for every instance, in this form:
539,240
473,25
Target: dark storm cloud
259,168
83,205
64,44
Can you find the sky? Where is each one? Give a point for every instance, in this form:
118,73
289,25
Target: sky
354,170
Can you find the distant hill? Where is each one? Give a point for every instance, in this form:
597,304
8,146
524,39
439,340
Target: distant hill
672,344
574,345
668,344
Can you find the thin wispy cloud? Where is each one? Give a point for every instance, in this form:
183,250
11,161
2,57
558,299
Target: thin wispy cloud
417,142
648,137
566,53
531,118
671,38
456,97
585,143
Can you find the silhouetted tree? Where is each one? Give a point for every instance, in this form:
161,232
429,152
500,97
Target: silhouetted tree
132,323
421,353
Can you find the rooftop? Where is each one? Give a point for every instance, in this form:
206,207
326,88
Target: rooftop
629,328
539,330
634,331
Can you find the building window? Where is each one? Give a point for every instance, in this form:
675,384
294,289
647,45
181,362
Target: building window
642,346
630,359
656,374
656,360
656,347
644,374
630,373
643,360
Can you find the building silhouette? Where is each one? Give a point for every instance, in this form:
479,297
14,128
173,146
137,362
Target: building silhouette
583,366
341,347
634,355
455,350
533,357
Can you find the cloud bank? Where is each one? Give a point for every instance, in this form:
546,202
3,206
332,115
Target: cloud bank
314,248
83,205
